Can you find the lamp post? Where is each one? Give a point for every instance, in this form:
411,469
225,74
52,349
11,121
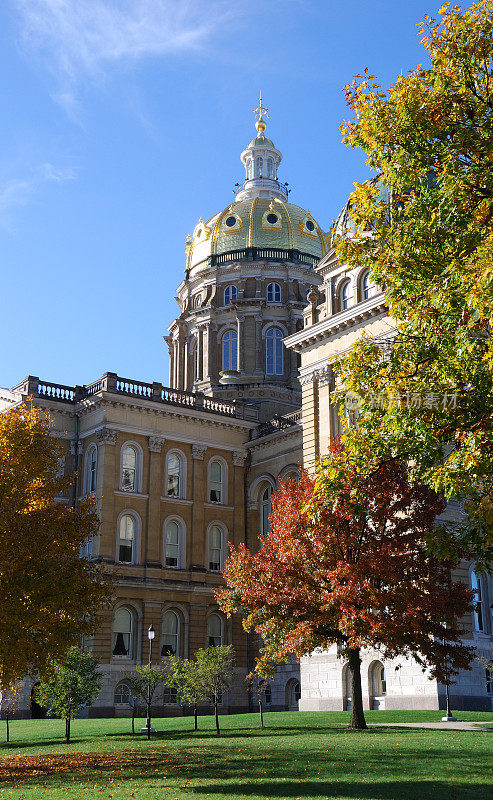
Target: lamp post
150,636
448,715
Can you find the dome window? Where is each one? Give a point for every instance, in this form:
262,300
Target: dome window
272,219
232,223
229,295
309,225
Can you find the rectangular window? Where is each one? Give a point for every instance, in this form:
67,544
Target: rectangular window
125,552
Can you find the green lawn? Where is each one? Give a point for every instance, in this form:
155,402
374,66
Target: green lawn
297,755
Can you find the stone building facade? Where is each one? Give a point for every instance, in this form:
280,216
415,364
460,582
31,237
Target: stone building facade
346,305
180,471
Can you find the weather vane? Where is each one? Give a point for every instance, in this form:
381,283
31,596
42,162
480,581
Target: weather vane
260,112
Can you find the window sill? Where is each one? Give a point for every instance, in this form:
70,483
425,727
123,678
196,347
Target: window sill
121,493
218,505
180,500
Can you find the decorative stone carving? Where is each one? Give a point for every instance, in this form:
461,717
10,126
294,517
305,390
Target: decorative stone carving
322,374
198,451
106,436
76,447
239,458
156,443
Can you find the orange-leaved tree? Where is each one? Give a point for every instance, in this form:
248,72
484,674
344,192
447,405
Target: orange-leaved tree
49,594
346,562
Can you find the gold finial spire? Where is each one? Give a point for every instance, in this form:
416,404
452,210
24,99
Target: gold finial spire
261,112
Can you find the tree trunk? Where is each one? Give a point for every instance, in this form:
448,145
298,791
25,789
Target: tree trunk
216,713
67,729
261,713
133,720
196,725
8,729
357,714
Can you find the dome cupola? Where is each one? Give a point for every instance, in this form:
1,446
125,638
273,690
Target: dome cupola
261,160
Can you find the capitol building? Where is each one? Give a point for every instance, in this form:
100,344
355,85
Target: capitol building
181,467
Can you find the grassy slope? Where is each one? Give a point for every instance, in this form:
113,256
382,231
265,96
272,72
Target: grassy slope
298,755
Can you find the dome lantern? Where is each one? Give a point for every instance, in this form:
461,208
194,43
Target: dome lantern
261,160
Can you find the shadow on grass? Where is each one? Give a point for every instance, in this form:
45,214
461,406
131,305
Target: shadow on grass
356,790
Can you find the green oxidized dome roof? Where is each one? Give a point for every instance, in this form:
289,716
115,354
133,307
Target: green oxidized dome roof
262,141
257,222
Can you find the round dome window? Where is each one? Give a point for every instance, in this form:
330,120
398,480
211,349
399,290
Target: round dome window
309,225
272,219
231,221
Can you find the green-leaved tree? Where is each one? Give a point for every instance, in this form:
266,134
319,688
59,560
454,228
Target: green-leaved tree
70,684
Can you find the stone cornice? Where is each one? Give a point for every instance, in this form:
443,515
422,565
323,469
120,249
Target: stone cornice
373,307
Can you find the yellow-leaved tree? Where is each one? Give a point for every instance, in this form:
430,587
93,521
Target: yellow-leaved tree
49,594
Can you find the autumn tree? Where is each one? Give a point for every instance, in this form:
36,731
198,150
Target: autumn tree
49,594
346,562
429,398
69,685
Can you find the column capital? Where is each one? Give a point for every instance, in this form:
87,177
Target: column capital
156,443
239,458
106,436
198,451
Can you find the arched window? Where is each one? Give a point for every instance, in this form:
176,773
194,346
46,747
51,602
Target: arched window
267,694
229,295
265,510
127,539
129,469
172,557
91,469
123,633
270,167
259,166
478,613
122,694
346,297
230,351
216,549
365,286
214,631
175,475
273,352
216,494
194,352
378,682
249,169
273,293
170,634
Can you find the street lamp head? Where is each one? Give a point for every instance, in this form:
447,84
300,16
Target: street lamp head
150,633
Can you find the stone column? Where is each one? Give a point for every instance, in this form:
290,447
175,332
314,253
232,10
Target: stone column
107,479
180,361
240,319
259,366
200,354
155,490
211,352
293,367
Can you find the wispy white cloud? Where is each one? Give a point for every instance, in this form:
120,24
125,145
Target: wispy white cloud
86,38
19,191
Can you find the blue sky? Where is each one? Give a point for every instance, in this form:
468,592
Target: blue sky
122,124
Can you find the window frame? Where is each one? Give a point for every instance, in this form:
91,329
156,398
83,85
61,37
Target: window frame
128,512
232,350
345,298
215,614
264,503
224,481
181,527
133,629
182,476
223,545
89,472
274,342
178,634
228,299
122,702
138,467
274,292
478,614
366,286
